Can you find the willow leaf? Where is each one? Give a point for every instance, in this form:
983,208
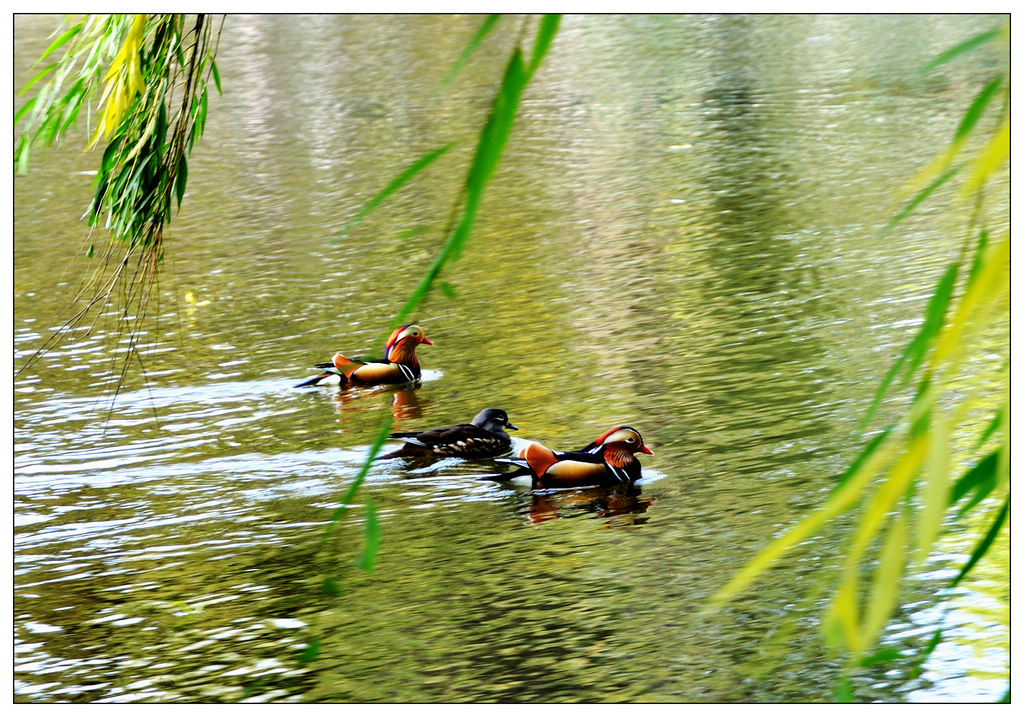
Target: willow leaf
988,288
918,198
489,147
837,502
884,588
181,179
408,173
24,108
992,427
995,154
216,76
935,491
984,544
981,479
60,41
38,76
869,449
965,46
977,108
545,34
485,28
382,436
368,558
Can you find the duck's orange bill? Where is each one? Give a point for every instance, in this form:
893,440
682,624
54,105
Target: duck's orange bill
427,341
645,449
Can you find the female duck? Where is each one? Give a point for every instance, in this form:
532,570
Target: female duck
484,437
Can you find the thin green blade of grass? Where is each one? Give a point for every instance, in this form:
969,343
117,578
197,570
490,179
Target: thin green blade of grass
483,31
408,173
965,46
977,108
920,197
368,557
984,544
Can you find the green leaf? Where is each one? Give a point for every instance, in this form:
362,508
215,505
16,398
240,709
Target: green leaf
934,316
38,76
447,289
920,197
180,179
24,108
408,173
885,654
312,650
485,28
92,250
977,108
981,480
60,41
216,76
368,557
383,432
844,690
979,255
984,544
914,352
331,587
864,455
991,428
965,46
542,43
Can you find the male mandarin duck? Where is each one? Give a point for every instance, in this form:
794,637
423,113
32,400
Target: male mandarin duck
609,460
399,364
485,437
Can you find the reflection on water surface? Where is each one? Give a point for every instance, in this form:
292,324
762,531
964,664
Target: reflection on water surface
680,238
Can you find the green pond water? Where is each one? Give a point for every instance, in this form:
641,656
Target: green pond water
681,236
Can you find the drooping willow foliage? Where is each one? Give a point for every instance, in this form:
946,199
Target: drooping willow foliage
902,487
151,74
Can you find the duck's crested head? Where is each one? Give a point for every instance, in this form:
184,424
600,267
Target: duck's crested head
625,436
405,339
493,419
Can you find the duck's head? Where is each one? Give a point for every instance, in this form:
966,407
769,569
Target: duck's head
403,342
624,438
493,419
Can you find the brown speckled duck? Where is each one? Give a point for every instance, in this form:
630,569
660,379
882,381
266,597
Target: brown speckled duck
484,437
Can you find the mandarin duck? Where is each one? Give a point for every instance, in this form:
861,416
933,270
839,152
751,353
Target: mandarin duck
398,366
485,437
609,460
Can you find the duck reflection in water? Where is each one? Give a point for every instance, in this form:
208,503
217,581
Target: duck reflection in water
406,405
619,505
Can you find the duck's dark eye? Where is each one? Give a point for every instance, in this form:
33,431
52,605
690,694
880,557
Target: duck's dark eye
630,440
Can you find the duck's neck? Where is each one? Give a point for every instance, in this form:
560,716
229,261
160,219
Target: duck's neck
404,352
618,457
